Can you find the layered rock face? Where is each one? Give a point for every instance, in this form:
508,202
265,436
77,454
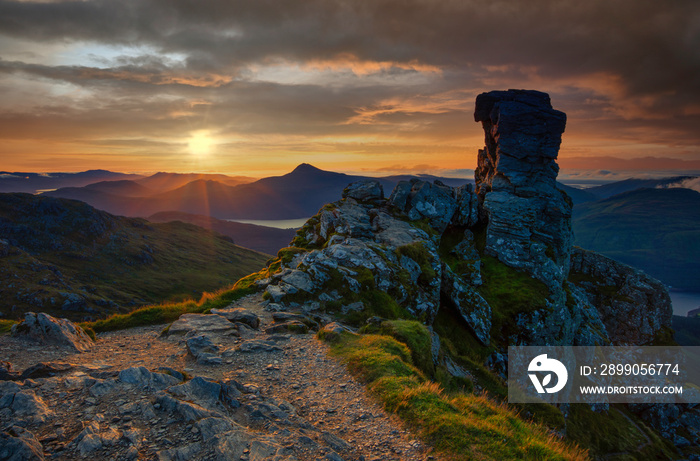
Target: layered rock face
498,254
528,217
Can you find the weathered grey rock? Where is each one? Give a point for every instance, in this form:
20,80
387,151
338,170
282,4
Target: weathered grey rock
693,312
287,316
45,370
333,329
529,219
7,372
204,350
50,330
210,427
634,307
103,387
467,212
299,280
431,201
238,314
19,444
183,453
200,324
24,406
207,393
188,410
469,303
364,190
335,442
292,326
254,345
143,377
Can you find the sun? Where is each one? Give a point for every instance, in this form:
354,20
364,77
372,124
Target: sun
200,144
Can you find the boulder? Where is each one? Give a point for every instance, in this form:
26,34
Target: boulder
17,443
433,202
364,190
240,315
199,324
50,330
468,302
7,372
204,350
634,307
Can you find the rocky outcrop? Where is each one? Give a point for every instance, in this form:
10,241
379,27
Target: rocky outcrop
430,246
49,330
528,217
634,307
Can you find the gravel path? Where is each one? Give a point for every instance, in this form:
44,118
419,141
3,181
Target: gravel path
279,396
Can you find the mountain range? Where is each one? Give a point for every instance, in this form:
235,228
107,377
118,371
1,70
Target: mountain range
656,230
638,221
298,194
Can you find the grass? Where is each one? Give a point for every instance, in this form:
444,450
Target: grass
615,431
169,312
509,292
6,326
461,426
418,253
412,333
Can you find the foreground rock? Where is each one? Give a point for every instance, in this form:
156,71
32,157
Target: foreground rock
50,330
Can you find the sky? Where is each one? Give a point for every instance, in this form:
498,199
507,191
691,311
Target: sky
374,86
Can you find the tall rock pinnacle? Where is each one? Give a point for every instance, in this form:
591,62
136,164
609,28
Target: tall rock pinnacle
528,217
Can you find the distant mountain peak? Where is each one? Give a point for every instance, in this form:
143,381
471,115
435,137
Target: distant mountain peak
306,168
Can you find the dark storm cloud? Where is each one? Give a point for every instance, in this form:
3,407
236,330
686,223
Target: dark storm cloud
652,46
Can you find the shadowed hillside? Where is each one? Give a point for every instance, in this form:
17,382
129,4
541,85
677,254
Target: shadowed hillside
64,257
656,230
259,238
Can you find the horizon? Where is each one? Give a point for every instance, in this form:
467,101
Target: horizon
247,89
578,179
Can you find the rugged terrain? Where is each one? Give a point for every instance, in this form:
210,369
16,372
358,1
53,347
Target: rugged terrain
421,293
269,395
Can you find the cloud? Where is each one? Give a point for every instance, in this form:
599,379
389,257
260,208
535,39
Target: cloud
688,183
394,72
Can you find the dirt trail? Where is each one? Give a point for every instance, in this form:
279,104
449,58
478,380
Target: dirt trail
292,400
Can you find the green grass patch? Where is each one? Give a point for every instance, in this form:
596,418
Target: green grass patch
418,253
412,333
6,325
461,426
424,225
286,255
615,431
509,292
169,312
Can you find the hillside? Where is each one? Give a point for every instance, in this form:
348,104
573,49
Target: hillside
259,238
34,182
628,185
298,194
65,257
657,230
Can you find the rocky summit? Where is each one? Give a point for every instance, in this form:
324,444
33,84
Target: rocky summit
430,247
